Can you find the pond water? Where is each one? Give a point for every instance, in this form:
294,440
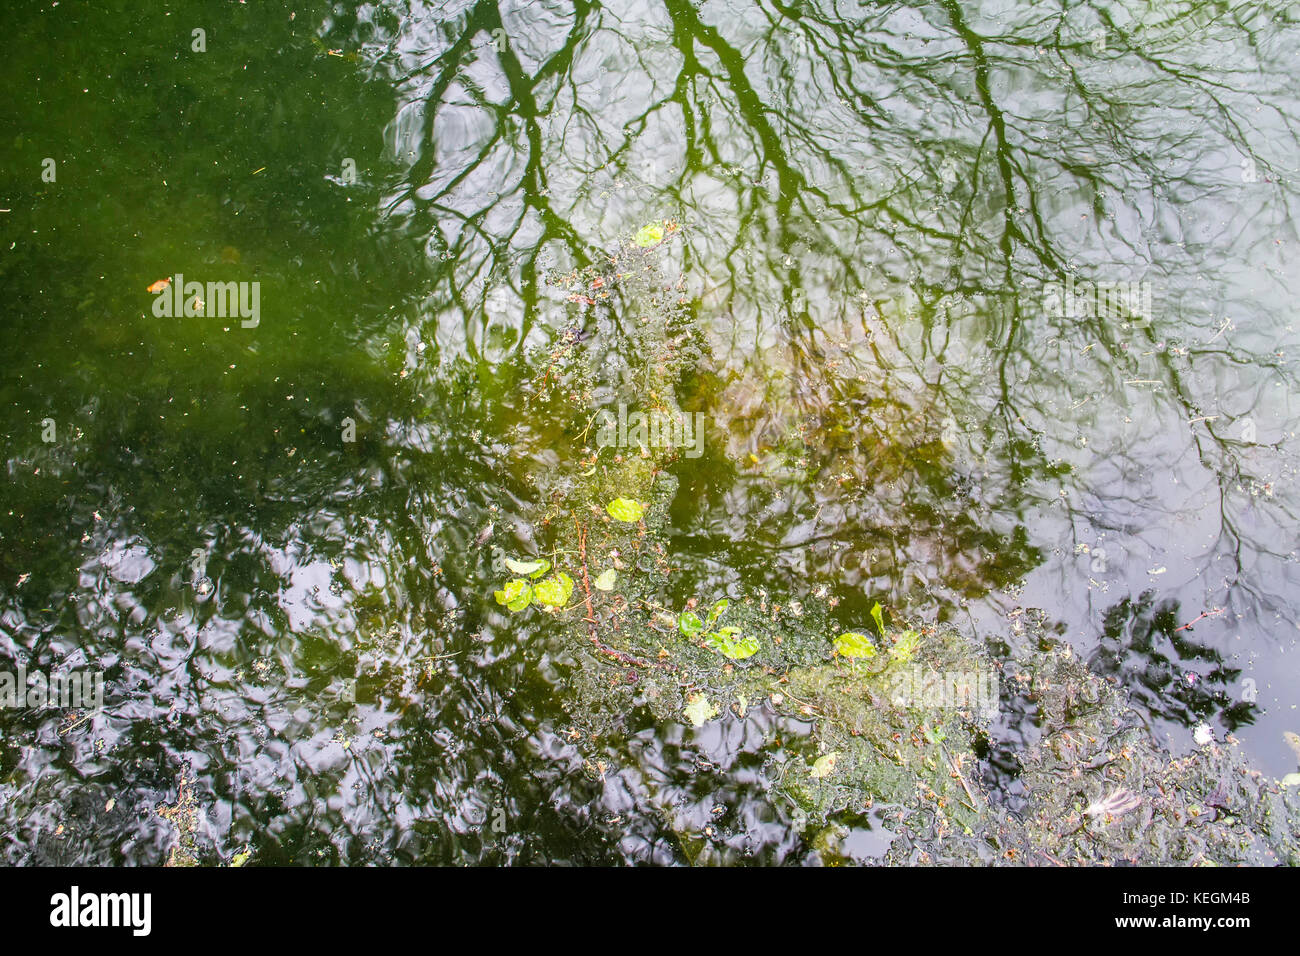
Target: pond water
1029,273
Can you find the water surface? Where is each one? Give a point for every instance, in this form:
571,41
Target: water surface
875,200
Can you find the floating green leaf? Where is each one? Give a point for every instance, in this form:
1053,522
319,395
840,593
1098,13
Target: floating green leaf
241,858
534,569
853,644
718,609
625,509
516,595
823,766
649,235
879,618
728,642
698,710
554,591
689,623
606,580
905,645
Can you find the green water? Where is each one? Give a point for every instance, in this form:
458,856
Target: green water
872,198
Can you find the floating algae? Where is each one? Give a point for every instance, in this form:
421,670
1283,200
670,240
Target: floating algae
635,658
1206,808
184,816
850,727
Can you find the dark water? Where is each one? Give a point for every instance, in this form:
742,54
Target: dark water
245,523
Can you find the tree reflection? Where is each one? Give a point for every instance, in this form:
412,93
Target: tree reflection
874,197
834,163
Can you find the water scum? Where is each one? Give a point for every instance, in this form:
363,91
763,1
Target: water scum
761,692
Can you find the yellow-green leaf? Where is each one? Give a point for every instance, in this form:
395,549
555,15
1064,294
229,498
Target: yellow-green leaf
823,766
625,509
516,595
534,569
730,644
905,645
554,591
649,235
606,580
718,609
698,710
853,644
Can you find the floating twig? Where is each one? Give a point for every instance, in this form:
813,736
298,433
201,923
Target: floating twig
1213,612
586,582
956,768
